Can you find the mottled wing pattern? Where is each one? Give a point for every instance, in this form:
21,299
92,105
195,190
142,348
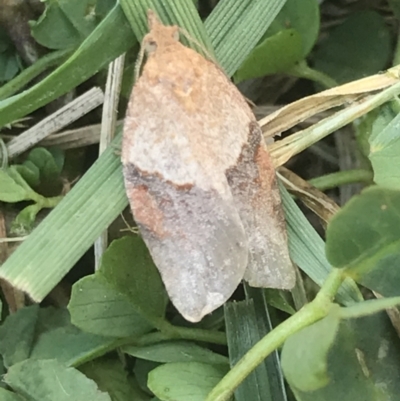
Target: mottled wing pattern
202,194
196,239
254,187
181,133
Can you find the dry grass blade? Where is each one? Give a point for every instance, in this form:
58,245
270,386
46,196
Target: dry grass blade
284,149
51,124
107,133
322,205
296,112
75,138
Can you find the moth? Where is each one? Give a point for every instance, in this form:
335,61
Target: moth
199,179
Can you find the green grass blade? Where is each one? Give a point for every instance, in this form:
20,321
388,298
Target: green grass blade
246,323
181,13
67,233
30,73
307,249
236,27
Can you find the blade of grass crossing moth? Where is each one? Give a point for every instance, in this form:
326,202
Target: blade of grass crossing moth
307,249
182,13
222,17
246,323
239,40
187,17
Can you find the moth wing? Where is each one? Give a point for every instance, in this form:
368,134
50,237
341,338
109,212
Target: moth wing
196,239
254,187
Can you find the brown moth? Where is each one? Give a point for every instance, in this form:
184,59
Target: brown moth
199,179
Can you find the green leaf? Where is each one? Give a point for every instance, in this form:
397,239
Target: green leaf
304,354
56,338
95,307
395,6
103,7
49,380
46,334
17,335
49,168
246,323
111,376
16,176
2,373
64,23
128,267
362,362
25,77
23,223
6,395
141,372
183,381
288,40
364,238
129,281
304,18
29,172
274,54
370,126
175,351
58,156
10,65
11,190
359,47
279,299
384,154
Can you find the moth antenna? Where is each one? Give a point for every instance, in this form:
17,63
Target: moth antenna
191,39
139,62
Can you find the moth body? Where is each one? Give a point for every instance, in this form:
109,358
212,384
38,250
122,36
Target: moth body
199,180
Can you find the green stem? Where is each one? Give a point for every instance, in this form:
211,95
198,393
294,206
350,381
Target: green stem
183,333
21,80
310,313
302,70
51,203
48,203
174,333
334,180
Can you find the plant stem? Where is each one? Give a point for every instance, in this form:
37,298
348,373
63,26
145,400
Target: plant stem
21,80
174,333
310,313
333,180
52,202
302,70
183,333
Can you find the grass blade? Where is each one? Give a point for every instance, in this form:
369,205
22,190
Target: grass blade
246,323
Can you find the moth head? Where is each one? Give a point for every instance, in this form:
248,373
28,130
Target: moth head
159,35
